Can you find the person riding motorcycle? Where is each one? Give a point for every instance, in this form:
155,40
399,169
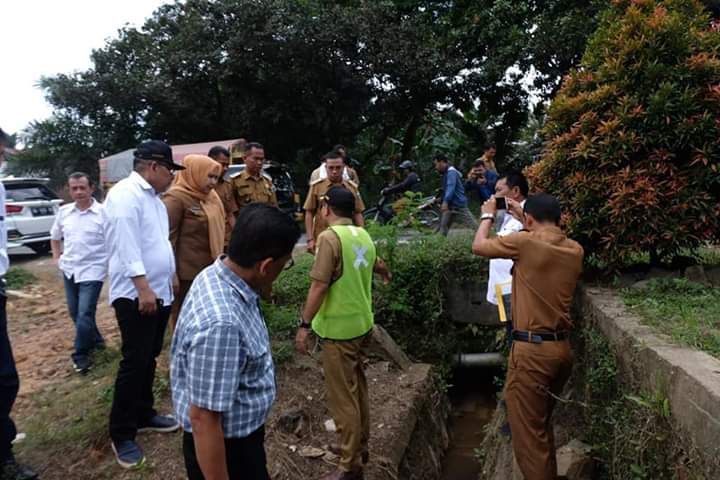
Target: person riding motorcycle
411,182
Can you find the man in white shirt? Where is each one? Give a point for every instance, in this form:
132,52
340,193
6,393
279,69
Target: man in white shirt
9,381
77,240
142,279
514,188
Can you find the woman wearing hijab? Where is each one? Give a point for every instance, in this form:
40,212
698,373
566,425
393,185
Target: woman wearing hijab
197,221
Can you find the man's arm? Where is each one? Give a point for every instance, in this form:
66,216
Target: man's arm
309,217
382,269
56,235
315,298
209,442
496,247
450,185
358,219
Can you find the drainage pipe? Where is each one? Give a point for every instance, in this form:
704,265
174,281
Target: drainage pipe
493,359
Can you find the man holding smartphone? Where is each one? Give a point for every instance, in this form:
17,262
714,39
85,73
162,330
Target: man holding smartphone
142,280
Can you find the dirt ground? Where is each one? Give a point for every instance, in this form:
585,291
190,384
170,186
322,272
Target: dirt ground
42,337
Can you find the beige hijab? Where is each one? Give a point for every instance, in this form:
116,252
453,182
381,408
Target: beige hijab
189,181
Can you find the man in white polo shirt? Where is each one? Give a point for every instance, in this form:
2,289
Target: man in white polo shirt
513,187
142,274
77,240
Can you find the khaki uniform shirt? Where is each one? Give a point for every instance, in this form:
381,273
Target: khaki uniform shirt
249,189
328,255
189,234
224,190
546,270
313,203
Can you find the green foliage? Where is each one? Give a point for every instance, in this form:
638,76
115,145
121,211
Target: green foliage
411,307
687,311
18,277
632,151
301,76
631,433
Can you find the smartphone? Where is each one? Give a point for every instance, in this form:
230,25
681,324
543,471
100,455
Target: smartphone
500,203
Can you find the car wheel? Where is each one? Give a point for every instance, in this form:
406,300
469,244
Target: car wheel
40,248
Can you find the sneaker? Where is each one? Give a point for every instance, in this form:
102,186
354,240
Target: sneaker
160,423
128,454
11,470
82,365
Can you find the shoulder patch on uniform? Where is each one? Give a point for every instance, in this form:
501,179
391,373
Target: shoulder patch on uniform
352,184
267,176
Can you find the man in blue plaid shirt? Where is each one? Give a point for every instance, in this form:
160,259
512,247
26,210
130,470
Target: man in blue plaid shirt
223,378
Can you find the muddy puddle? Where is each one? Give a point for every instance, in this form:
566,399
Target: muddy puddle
473,398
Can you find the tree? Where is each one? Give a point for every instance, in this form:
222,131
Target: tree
300,76
632,148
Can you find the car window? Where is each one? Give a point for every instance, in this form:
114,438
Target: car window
24,192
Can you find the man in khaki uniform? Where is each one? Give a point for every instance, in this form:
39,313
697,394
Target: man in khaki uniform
547,266
339,304
224,189
251,185
315,223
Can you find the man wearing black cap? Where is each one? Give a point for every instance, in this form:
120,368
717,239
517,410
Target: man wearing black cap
142,272
9,380
339,304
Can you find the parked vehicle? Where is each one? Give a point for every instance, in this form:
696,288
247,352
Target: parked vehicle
30,209
427,212
288,198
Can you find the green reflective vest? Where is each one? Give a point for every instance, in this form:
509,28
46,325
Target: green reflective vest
346,311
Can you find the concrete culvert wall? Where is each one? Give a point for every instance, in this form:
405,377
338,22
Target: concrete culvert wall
649,408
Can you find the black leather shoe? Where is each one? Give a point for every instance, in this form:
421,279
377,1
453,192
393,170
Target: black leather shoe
11,470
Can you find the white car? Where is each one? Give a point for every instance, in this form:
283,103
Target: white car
30,209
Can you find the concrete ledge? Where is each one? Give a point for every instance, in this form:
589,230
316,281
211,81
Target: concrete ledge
689,378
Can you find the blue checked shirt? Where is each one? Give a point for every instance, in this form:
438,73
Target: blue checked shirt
221,357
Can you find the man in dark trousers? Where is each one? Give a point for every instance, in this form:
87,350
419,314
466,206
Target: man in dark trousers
223,378
9,381
339,305
547,266
454,201
142,280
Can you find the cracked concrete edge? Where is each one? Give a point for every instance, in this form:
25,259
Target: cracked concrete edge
689,378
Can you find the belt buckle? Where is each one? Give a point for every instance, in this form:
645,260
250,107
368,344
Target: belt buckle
534,338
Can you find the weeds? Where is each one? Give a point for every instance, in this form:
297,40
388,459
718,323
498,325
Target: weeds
17,278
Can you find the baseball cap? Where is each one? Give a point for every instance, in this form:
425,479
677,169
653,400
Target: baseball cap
157,151
341,198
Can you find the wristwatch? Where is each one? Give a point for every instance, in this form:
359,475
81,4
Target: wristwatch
487,216
303,324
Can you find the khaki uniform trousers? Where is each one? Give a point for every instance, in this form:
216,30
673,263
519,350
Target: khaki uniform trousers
533,371
347,394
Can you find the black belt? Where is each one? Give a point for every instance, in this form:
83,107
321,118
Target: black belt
539,337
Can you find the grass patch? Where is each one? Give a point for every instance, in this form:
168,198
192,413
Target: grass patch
17,278
688,312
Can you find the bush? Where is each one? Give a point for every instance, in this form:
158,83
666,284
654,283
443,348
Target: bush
632,149
411,307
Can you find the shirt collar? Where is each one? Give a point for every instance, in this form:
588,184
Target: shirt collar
94,207
137,178
237,283
342,221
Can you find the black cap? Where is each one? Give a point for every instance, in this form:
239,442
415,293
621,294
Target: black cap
157,151
341,198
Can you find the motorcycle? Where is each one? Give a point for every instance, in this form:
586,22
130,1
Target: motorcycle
426,212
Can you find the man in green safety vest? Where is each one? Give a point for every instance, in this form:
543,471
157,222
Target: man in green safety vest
338,309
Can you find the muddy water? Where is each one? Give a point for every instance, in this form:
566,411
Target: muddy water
473,398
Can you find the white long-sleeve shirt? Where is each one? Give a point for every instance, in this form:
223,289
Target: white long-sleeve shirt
4,259
137,236
501,268
84,254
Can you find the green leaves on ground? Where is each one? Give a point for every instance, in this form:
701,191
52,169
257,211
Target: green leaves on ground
688,312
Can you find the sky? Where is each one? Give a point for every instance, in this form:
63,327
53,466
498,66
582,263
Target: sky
46,37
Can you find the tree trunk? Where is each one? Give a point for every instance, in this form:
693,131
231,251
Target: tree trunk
409,137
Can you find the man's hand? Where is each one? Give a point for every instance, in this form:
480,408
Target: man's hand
311,245
382,269
147,301
444,207
490,206
301,340
515,209
56,260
